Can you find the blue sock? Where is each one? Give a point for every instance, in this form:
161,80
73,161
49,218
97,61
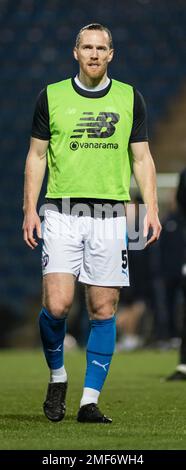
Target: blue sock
52,332
100,349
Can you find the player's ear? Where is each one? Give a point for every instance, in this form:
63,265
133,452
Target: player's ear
75,53
111,53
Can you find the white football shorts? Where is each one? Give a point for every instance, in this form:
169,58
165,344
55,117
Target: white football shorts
93,249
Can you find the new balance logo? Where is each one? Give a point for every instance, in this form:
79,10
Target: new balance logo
101,127
58,349
101,365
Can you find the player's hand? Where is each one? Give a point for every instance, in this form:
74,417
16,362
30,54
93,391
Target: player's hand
152,223
31,222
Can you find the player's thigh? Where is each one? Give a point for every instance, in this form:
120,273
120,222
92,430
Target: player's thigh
62,249
102,302
58,292
105,260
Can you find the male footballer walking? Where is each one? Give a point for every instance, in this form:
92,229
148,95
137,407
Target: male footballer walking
89,131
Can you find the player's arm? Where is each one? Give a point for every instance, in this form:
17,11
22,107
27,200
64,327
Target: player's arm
35,168
34,174
145,175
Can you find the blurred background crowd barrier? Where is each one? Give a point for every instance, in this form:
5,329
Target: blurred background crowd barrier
36,41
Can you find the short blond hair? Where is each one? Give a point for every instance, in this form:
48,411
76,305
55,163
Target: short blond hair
98,27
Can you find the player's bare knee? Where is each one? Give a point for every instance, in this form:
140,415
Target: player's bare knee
58,309
103,311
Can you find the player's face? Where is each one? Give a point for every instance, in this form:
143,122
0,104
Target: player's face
93,54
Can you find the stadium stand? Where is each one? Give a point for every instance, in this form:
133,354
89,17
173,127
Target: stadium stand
36,40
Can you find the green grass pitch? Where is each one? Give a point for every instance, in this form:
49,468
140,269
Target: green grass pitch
147,412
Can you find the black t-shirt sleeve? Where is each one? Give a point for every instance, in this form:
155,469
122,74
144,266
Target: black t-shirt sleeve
40,123
139,131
